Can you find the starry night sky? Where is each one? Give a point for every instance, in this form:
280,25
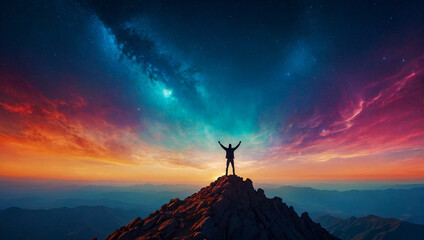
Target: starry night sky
143,90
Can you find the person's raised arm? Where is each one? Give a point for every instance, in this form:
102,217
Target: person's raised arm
237,145
222,145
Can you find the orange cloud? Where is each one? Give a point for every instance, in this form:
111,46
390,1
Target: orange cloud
44,137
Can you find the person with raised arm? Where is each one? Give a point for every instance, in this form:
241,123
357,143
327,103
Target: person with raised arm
230,156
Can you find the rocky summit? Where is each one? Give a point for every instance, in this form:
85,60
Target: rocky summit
229,208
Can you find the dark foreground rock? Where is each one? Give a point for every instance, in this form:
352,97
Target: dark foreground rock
229,208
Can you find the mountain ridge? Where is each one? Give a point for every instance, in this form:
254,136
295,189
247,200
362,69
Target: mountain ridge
371,227
229,208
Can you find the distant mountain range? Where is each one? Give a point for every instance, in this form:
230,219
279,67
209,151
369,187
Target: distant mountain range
145,197
371,228
403,204
62,223
125,203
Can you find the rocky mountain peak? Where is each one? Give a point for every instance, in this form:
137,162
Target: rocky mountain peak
229,208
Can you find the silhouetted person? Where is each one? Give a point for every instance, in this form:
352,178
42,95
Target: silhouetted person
230,156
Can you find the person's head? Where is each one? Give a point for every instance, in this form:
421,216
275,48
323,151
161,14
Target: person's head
229,145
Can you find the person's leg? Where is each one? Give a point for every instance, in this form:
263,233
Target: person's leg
226,170
232,164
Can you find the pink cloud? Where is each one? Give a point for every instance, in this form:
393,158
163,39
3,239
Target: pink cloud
383,116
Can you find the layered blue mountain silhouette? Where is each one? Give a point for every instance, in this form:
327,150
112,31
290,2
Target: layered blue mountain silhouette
121,204
371,227
61,223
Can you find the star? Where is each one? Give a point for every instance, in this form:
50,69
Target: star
167,93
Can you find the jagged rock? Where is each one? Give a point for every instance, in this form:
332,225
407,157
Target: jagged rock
229,208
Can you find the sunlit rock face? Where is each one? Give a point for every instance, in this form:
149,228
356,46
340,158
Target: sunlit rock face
228,208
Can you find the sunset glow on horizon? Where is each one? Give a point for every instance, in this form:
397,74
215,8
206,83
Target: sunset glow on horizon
136,99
